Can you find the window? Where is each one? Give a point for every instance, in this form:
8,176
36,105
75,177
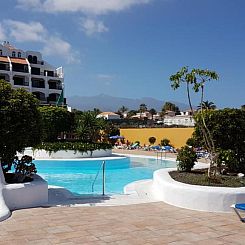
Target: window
19,54
13,54
30,58
1,52
34,59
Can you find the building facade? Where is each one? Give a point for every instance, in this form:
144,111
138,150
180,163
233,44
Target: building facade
108,115
27,69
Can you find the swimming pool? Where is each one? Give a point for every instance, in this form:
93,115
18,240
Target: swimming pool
78,175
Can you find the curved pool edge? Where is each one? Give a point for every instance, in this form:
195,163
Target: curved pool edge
195,197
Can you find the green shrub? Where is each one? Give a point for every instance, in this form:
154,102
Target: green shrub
191,142
152,140
229,159
23,168
75,146
227,130
186,159
165,142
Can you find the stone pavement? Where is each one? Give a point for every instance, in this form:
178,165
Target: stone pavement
149,223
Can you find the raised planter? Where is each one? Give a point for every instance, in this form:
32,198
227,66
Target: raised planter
21,195
26,195
195,197
69,154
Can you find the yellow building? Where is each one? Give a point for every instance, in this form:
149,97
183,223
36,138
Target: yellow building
177,136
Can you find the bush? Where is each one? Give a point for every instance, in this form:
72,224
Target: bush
75,146
152,140
165,142
23,168
191,142
229,159
227,130
186,159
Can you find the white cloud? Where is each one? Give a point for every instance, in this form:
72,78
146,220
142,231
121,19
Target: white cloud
105,78
95,7
55,46
91,26
52,44
2,33
23,32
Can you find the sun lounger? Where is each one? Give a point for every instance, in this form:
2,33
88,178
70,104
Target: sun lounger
239,207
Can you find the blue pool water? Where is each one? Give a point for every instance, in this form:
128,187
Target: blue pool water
78,176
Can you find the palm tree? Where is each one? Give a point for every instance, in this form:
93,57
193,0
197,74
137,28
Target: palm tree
143,108
153,112
122,110
168,106
207,105
89,127
131,113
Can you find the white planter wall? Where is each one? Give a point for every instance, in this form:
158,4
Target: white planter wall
42,154
22,195
195,197
26,195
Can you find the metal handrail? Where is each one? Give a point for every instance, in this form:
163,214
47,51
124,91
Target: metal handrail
161,153
103,183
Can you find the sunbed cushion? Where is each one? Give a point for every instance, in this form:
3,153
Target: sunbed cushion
240,206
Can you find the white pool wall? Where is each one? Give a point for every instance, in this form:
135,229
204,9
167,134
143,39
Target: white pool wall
69,154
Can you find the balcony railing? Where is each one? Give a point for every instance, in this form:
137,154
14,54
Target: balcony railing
57,87
4,67
35,85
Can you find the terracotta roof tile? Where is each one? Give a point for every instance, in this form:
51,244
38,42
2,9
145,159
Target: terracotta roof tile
19,61
4,59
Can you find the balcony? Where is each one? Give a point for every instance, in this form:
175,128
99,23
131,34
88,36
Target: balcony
55,85
4,67
38,83
20,68
20,81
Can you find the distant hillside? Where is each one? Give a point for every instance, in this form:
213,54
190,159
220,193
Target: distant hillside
110,103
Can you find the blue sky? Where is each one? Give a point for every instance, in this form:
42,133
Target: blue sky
129,48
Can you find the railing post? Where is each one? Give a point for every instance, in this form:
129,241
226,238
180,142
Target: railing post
103,193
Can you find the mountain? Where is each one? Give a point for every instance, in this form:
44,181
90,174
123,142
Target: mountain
111,103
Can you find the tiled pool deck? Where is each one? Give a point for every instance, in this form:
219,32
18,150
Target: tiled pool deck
148,223
151,223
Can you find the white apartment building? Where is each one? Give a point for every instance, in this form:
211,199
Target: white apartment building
182,120
27,69
108,115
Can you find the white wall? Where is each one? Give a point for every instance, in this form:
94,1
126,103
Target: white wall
26,195
4,210
42,154
195,197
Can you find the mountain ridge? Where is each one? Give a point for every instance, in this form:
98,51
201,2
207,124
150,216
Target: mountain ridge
111,103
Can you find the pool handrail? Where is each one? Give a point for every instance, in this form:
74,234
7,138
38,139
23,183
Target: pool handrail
102,166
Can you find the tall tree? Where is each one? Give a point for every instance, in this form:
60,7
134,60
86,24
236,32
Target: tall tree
142,109
19,124
207,105
197,78
122,110
153,112
54,121
131,113
169,106
89,127
97,111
